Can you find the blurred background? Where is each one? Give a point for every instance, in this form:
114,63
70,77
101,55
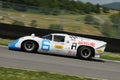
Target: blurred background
64,15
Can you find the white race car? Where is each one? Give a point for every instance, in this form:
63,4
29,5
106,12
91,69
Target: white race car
61,44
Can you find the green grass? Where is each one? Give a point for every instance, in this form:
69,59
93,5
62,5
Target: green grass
111,56
5,42
17,74
71,23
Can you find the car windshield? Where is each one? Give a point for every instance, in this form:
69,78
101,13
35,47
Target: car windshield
49,37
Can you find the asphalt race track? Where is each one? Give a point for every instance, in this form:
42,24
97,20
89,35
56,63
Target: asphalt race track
107,70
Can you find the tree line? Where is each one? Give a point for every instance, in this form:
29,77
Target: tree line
57,5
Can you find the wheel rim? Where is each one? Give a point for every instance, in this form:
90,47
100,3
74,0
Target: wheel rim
29,45
85,52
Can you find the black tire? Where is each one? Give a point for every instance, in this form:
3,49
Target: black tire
85,52
29,46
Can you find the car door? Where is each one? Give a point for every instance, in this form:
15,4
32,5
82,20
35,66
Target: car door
58,45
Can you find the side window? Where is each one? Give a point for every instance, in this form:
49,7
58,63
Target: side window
49,37
59,38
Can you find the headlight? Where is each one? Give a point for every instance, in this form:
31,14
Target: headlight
100,49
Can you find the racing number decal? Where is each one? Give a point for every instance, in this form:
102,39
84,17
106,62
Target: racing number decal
45,45
74,46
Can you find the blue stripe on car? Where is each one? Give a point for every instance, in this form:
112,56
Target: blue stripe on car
12,45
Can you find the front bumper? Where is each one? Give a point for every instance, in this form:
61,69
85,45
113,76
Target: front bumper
12,45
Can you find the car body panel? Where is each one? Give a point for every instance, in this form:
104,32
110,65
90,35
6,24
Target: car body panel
67,47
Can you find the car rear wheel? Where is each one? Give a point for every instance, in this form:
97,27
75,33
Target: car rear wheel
85,52
29,46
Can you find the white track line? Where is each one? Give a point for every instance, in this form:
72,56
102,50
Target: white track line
111,60
3,46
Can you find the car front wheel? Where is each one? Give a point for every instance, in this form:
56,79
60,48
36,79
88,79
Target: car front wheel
29,46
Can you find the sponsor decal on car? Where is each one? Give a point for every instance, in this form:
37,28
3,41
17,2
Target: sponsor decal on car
58,47
74,46
92,44
73,38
